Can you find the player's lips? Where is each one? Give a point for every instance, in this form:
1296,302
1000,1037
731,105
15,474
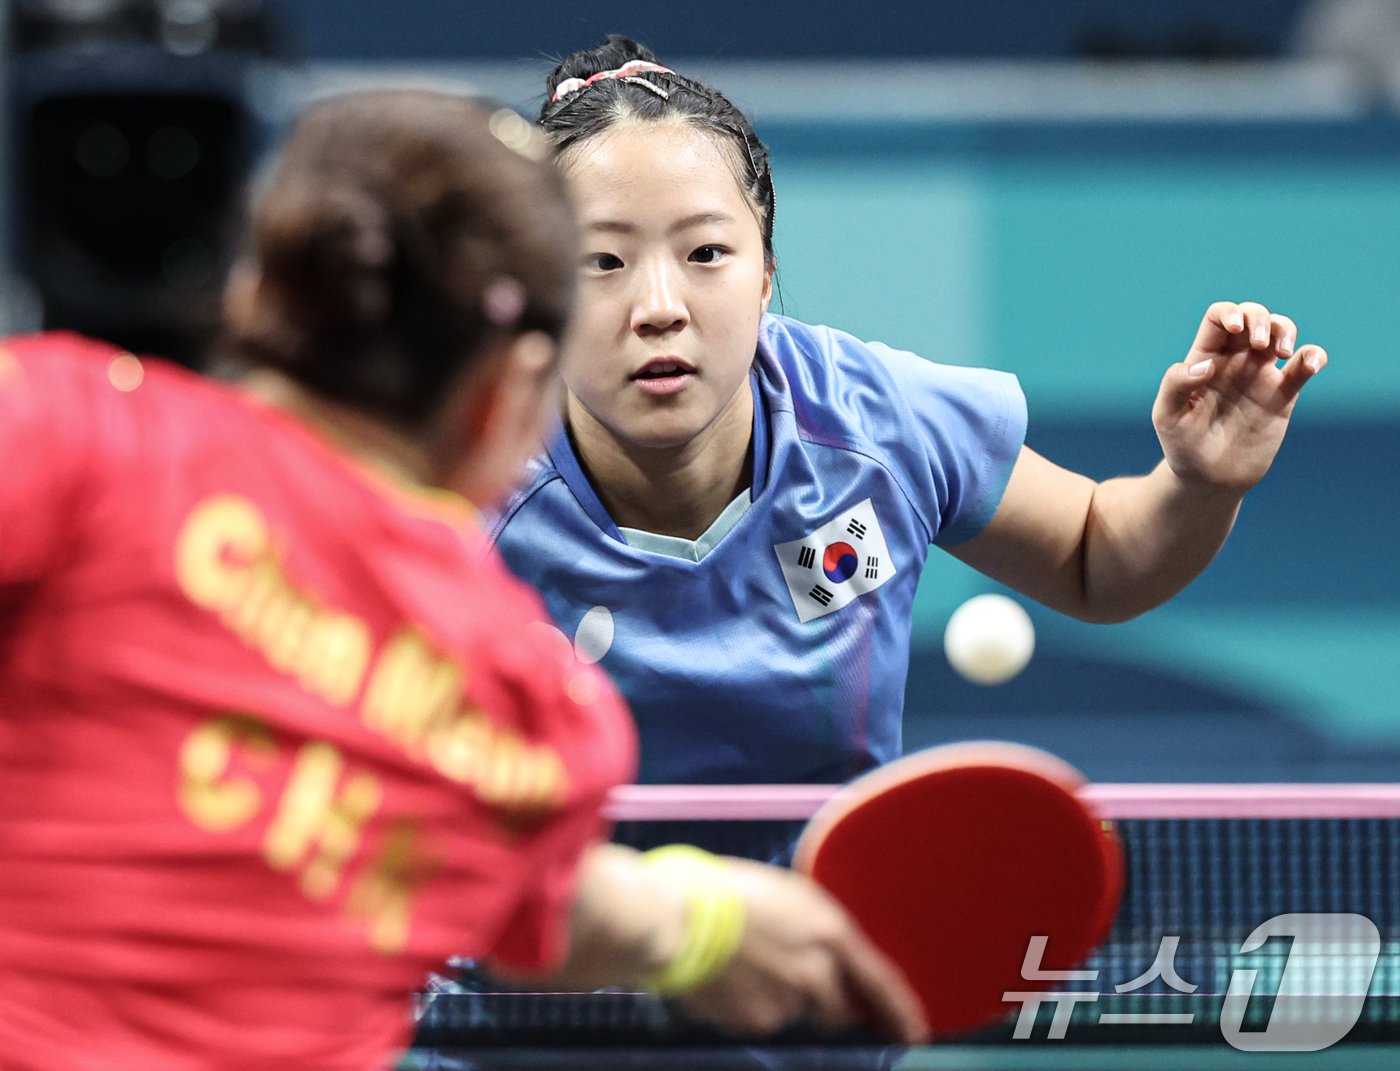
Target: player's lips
663,375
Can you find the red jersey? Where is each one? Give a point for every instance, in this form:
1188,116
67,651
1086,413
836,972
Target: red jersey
277,735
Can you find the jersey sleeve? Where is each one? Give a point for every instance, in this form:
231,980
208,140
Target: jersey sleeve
949,434
969,425
572,707
44,433
537,936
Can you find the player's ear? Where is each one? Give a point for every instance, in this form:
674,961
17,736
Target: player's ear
241,293
767,295
530,367
500,415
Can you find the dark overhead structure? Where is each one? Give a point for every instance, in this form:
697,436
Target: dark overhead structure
132,135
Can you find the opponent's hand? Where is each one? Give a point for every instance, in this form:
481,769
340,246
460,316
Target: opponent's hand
803,958
1221,414
799,956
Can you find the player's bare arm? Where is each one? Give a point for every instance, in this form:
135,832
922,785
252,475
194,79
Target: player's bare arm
797,955
1112,550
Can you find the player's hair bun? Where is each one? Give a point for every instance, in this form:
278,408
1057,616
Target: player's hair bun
331,249
609,56
400,235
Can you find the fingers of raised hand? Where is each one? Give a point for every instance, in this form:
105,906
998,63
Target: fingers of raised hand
1258,324
1283,334
1301,367
1248,324
1227,316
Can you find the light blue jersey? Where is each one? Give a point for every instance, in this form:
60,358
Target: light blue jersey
775,648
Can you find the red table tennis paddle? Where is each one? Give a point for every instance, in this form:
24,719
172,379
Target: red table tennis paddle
954,858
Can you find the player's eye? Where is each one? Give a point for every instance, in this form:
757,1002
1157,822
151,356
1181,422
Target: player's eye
708,254
602,261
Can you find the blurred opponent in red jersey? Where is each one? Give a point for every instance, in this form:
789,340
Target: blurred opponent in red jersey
278,733
243,728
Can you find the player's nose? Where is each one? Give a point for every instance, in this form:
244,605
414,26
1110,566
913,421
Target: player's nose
659,304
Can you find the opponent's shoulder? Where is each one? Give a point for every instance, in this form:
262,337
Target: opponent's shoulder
65,347
529,676
69,370
54,363
69,388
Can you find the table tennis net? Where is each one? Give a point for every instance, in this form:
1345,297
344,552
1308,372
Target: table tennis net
1206,866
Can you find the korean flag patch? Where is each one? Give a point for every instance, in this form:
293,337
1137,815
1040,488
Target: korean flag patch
839,562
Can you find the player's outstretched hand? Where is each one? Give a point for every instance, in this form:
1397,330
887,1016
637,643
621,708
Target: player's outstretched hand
1221,414
803,958
793,956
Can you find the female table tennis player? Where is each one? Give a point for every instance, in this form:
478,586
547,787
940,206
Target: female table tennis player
737,509
277,734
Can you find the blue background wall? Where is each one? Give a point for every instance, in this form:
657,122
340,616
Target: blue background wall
454,30
1080,256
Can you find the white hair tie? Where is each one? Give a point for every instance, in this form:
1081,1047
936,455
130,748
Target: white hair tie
573,85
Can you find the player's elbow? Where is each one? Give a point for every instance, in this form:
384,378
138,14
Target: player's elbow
1111,609
1112,596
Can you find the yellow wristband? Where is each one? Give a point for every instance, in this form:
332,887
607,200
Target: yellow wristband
714,923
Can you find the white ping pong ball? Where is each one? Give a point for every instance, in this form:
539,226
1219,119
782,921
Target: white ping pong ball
989,639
